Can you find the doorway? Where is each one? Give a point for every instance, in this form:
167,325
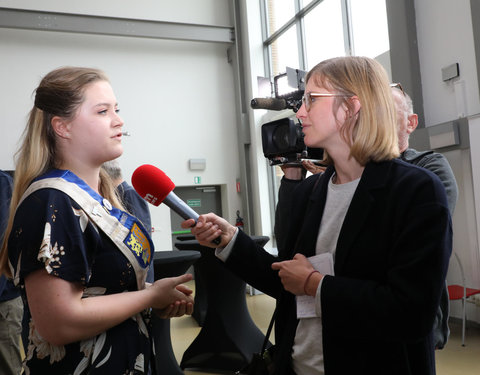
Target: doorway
202,199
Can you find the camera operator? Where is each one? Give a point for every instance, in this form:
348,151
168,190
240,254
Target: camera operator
292,175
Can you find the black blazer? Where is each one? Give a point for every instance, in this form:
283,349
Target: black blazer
390,266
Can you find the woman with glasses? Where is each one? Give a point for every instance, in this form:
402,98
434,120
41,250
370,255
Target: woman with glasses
359,275
80,259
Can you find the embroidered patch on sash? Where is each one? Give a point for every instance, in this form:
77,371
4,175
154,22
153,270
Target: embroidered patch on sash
138,243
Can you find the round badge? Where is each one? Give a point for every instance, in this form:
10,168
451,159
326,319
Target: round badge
107,204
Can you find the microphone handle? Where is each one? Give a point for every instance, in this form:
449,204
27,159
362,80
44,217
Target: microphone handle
184,210
180,207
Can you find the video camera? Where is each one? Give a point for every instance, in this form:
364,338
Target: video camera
282,140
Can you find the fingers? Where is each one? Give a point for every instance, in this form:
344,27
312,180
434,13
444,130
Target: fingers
208,228
179,309
170,290
188,223
206,233
200,221
164,313
299,256
184,308
204,222
276,265
184,289
182,279
189,310
312,167
286,263
309,166
185,293
176,309
292,273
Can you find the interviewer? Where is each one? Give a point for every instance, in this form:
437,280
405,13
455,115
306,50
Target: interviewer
385,222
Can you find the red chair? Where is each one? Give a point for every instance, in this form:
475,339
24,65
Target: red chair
461,292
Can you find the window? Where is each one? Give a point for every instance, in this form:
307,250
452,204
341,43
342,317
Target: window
283,52
324,36
301,33
278,13
369,27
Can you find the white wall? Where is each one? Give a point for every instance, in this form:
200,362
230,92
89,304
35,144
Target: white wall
445,36
176,98
203,12
444,30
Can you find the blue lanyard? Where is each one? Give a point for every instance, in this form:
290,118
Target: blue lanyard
138,240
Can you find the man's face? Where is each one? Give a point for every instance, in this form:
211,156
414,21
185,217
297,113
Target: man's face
406,122
402,115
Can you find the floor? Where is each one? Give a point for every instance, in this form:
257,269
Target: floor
452,360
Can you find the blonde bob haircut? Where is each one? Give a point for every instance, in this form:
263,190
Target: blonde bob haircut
372,132
60,93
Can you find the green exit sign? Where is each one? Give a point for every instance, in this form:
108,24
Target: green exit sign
194,202
197,180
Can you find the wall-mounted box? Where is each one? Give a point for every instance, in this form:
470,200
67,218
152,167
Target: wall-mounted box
450,72
197,164
444,135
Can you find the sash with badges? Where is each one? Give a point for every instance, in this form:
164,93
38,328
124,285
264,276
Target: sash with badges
125,230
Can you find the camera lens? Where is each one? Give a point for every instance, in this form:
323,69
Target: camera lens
281,137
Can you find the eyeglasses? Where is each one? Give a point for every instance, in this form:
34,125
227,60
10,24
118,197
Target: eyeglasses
309,98
397,85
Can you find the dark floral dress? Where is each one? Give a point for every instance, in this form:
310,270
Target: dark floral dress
51,232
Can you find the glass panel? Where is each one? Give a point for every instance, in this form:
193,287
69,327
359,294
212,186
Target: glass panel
277,178
324,32
370,28
278,174
278,13
284,52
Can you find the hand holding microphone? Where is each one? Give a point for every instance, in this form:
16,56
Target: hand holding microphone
153,185
209,227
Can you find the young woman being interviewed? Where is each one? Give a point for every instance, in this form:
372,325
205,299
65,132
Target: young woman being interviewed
80,259
384,225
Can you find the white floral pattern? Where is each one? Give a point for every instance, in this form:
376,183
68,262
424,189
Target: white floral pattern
45,253
79,253
83,218
42,347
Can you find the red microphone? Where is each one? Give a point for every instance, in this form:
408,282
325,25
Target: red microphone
153,185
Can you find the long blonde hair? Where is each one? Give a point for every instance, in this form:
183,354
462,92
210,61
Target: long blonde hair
60,93
372,134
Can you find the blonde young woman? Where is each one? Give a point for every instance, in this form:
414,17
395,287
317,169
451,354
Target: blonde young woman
80,259
384,224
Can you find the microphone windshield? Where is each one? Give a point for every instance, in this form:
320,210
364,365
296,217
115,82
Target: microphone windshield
274,104
151,183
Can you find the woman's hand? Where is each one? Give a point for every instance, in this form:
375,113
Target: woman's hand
210,227
170,296
178,308
312,167
295,273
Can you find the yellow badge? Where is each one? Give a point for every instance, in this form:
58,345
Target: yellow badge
138,243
